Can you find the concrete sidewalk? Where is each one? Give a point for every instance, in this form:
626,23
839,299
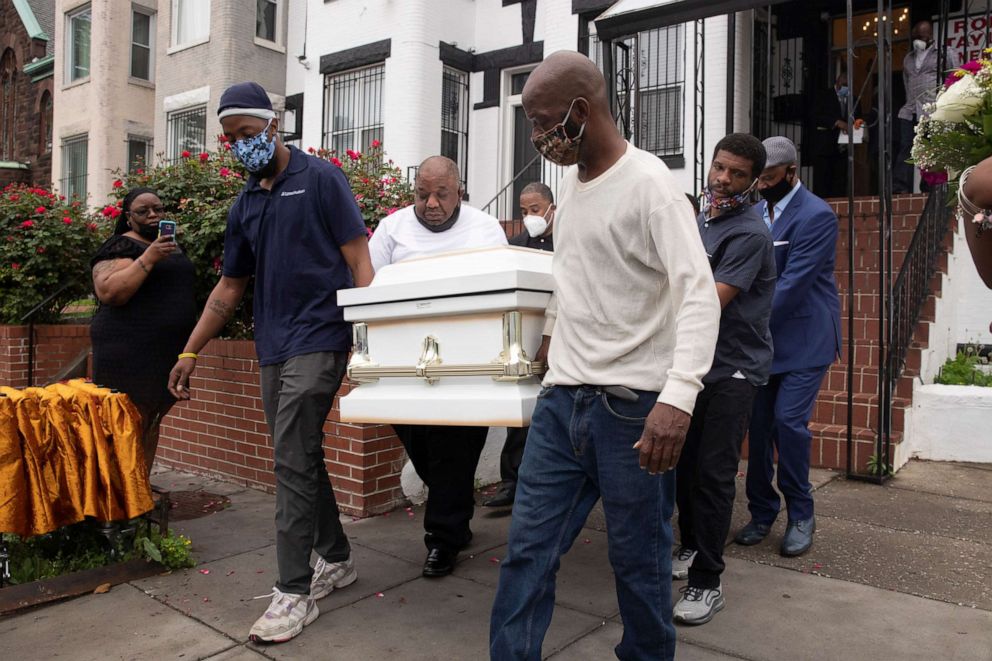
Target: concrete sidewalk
902,571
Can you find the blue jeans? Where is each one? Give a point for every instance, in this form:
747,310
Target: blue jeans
579,449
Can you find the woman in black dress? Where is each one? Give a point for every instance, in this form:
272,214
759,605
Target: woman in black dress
147,310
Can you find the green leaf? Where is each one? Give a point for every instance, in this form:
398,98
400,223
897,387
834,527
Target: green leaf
151,550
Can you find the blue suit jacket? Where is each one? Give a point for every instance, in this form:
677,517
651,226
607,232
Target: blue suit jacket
805,321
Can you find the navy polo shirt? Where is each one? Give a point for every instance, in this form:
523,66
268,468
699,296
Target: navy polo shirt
289,238
741,254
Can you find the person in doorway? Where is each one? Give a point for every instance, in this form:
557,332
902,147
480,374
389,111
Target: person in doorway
630,334
805,327
922,77
830,157
739,246
537,208
295,227
144,283
445,457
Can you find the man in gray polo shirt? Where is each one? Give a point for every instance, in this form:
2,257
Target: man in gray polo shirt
739,247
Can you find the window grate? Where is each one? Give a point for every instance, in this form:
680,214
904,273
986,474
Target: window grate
454,119
353,109
187,131
139,153
75,152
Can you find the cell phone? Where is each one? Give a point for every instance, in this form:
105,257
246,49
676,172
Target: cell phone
621,392
167,228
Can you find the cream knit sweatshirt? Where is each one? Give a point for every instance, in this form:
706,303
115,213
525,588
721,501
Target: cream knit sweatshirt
635,304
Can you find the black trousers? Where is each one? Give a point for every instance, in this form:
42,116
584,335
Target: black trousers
445,458
706,473
830,174
512,455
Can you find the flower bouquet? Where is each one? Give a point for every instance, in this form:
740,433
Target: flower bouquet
956,132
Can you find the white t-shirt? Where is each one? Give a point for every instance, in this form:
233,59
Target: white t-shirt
401,236
635,304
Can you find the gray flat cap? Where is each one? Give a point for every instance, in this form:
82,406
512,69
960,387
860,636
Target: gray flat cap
780,151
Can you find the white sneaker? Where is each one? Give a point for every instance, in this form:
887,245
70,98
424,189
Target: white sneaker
698,605
284,618
330,575
681,562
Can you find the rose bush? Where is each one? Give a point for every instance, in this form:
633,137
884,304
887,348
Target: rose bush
378,184
45,242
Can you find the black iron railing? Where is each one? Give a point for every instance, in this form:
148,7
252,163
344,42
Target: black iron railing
29,317
504,204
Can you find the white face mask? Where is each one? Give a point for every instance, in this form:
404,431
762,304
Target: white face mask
919,44
536,225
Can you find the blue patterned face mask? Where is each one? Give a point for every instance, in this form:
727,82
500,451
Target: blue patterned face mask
256,152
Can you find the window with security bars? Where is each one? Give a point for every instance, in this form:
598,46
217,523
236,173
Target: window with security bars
187,131
75,152
353,109
454,119
139,153
649,70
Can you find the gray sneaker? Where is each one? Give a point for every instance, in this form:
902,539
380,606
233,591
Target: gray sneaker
698,605
330,575
681,562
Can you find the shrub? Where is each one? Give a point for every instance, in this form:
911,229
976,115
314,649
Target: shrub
45,242
963,370
377,183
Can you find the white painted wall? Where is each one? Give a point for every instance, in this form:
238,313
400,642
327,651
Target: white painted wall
951,423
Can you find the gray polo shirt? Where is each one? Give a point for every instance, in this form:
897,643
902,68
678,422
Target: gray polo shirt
739,247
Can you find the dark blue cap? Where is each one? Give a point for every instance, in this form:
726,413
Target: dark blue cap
245,99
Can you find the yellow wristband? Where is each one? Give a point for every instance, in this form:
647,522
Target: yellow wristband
187,355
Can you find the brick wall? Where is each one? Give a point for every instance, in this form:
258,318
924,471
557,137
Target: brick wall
27,144
222,431
55,346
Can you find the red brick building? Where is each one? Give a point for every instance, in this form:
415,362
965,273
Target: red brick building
26,88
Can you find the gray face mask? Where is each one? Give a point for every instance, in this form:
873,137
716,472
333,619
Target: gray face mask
446,225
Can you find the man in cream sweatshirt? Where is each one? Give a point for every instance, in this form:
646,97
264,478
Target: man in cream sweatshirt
630,334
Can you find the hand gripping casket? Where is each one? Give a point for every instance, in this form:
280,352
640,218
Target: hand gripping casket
449,339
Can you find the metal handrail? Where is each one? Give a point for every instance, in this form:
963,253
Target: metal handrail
512,181
29,318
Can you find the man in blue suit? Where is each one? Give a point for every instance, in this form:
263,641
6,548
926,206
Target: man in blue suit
805,327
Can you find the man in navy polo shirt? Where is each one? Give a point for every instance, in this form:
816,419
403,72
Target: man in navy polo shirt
296,228
739,247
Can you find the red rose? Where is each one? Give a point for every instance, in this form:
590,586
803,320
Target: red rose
336,161
311,150
227,146
222,138
91,227
204,156
67,220
106,211
118,183
14,197
376,143
114,212
185,154
354,155
40,250
225,172
27,224
40,210
15,265
139,171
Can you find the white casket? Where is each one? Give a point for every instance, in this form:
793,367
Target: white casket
448,339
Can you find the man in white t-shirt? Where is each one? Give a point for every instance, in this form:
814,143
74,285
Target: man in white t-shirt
445,457
632,328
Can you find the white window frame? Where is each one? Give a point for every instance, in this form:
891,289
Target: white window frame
150,13
173,152
280,18
70,16
147,155
71,141
364,76
174,28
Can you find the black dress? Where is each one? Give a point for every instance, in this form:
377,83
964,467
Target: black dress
136,344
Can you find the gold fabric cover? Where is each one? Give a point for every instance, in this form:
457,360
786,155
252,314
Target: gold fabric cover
68,451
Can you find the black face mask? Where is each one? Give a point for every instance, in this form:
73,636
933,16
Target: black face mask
446,225
146,232
773,194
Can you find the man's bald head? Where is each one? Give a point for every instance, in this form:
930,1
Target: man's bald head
438,190
439,166
562,77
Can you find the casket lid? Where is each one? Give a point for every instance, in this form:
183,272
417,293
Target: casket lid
456,273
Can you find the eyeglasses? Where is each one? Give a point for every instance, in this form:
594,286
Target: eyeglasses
143,213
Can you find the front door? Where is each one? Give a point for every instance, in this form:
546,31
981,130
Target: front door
526,164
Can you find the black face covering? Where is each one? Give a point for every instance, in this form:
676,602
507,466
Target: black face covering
773,194
146,232
446,225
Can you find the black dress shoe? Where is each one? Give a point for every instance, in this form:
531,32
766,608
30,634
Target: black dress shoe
752,533
798,537
439,563
502,498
